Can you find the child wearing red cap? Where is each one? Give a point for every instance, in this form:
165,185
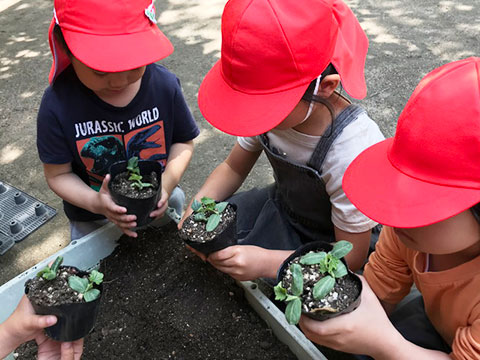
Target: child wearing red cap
275,87
108,101
23,325
424,185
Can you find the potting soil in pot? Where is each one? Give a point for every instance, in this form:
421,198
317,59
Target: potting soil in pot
162,302
123,186
345,291
196,230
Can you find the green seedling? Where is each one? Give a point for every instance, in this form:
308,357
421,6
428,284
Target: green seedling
209,211
329,264
85,286
134,174
50,272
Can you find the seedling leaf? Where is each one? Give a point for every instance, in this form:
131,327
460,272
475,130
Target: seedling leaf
50,275
43,271
291,297
341,248
196,205
323,287
313,258
280,292
200,217
56,264
297,282
132,164
91,295
293,311
207,200
220,207
135,177
96,277
78,284
212,222
340,271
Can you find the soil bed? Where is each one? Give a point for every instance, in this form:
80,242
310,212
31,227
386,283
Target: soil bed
162,302
121,185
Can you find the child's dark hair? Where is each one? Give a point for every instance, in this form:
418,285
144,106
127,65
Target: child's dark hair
476,211
57,32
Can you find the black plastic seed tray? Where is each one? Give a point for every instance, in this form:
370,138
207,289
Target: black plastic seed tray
20,215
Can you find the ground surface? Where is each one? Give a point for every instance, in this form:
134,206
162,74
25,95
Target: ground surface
408,38
162,302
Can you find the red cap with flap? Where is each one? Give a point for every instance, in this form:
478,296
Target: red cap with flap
430,170
271,51
109,36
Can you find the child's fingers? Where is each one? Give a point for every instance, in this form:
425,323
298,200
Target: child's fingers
223,255
78,349
129,232
160,210
37,322
67,351
125,220
71,351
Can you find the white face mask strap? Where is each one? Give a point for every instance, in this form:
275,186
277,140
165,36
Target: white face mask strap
310,106
55,16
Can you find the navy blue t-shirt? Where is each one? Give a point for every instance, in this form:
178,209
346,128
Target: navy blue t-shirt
75,126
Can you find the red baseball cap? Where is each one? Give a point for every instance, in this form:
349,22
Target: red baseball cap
107,36
430,170
271,51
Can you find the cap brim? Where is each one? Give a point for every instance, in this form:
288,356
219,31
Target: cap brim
119,52
241,114
388,196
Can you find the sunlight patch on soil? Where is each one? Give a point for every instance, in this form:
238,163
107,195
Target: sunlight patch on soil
205,32
9,154
27,53
5,4
27,94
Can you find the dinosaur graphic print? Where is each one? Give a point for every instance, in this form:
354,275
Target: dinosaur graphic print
98,153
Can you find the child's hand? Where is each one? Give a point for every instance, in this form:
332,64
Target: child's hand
359,331
24,325
162,205
113,212
242,262
49,349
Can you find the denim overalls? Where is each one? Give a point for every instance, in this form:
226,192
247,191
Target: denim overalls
296,209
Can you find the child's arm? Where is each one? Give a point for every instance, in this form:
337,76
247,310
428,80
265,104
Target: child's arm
227,177
248,262
71,188
177,162
23,325
367,330
361,242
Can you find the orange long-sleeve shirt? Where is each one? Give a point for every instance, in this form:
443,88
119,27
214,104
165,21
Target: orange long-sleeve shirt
452,297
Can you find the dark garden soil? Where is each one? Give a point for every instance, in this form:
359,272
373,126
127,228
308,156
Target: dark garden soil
345,291
196,230
162,302
53,292
121,185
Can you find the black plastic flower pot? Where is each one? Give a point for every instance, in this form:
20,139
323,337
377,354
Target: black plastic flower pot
321,246
75,320
139,207
227,237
